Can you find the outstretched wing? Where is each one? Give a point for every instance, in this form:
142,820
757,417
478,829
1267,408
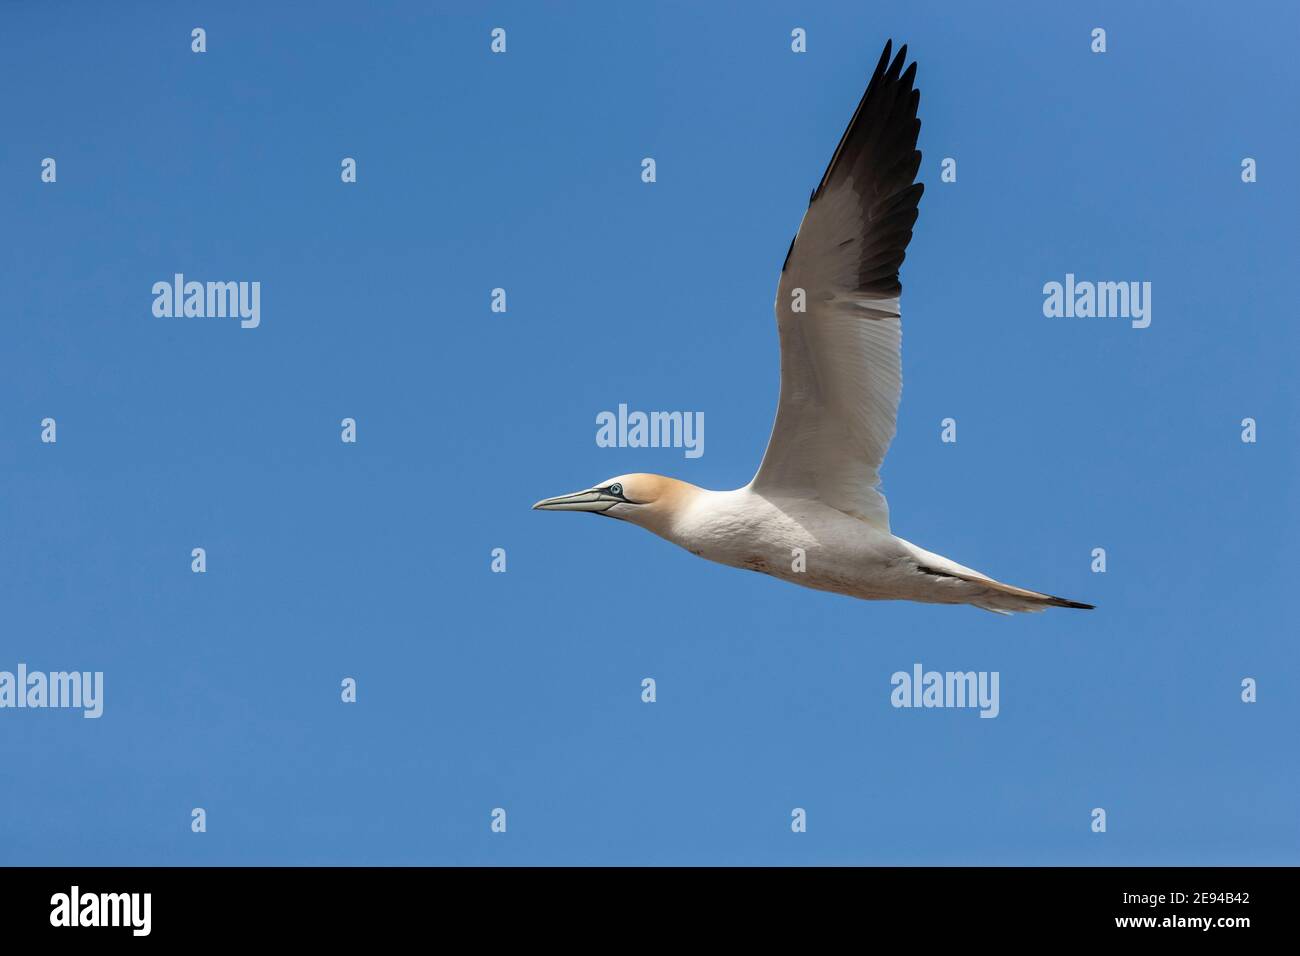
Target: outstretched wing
841,371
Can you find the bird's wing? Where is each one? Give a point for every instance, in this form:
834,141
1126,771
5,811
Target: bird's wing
841,371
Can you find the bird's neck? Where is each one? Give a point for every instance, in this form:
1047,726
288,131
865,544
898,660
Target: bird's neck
671,508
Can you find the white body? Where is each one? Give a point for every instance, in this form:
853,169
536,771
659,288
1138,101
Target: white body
840,553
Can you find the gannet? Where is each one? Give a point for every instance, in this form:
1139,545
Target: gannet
814,515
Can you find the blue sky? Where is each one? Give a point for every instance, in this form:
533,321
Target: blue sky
522,690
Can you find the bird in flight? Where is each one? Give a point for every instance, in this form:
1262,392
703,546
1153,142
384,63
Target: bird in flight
814,514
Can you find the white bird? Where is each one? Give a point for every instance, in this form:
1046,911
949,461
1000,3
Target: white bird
814,514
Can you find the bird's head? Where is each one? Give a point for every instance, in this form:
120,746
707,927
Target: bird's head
648,500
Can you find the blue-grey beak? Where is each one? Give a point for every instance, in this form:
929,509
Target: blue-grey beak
593,499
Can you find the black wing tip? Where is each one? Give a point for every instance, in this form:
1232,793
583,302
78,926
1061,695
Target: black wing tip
878,148
884,56
891,67
896,69
887,74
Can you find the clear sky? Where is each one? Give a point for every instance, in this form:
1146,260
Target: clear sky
522,690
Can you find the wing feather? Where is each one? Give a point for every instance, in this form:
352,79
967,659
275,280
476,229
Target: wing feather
841,369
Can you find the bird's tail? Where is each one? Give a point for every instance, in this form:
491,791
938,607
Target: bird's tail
1007,598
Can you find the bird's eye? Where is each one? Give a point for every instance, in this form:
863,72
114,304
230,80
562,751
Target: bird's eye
616,489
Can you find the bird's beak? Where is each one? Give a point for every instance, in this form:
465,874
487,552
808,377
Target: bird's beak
591,500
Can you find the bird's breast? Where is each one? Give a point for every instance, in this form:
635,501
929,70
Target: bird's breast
798,540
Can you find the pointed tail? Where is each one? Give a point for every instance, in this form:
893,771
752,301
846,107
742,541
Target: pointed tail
1006,598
